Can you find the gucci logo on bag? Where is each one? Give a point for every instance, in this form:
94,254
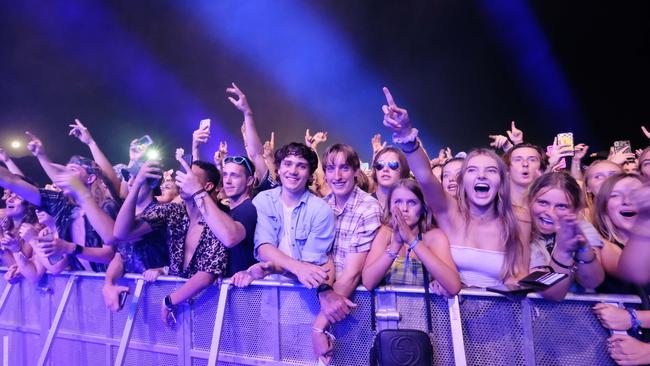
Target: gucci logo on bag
404,351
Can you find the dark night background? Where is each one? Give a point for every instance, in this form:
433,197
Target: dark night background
463,69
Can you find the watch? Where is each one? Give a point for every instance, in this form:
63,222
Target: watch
167,301
78,249
322,288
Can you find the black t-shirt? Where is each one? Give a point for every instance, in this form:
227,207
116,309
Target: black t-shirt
241,255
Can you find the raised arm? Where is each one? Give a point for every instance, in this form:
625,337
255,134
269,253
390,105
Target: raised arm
404,135
19,186
6,159
125,227
81,132
199,137
252,140
576,162
35,146
227,230
319,174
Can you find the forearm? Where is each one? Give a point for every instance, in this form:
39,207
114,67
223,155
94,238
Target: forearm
633,265
434,193
19,186
98,255
196,155
377,265
101,222
47,166
125,220
105,165
192,287
13,168
558,291
28,268
442,272
269,253
590,275
114,271
576,169
252,138
227,230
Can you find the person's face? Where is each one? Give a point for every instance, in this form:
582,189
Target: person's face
408,203
548,207
294,173
481,180
620,209
525,166
235,180
15,205
388,169
631,167
80,172
599,173
450,177
644,164
339,175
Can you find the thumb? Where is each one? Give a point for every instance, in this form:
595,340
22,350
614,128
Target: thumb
349,303
512,126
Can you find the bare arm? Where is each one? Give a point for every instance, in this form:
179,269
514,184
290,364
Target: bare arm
19,186
436,257
13,168
192,287
227,230
125,227
378,262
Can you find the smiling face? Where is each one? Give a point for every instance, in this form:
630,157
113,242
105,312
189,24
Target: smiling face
387,168
598,173
408,203
294,173
620,209
450,176
339,175
525,166
547,207
481,180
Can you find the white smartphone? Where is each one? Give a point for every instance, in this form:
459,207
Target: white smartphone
205,124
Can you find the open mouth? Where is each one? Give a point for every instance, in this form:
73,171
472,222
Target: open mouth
546,221
452,186
628,213
481,187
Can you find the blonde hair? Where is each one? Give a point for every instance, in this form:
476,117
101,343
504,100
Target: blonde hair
599,215
516,254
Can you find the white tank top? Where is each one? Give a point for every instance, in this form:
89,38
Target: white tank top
478,267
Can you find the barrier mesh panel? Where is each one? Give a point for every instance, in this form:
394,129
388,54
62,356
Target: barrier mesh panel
568,333
413,316
298,307
23,306
147,326
19,353
135,357
204,311
85,312
492,330
72,353
353,335
250,322
201,362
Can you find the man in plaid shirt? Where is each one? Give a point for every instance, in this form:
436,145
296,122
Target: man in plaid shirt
358,218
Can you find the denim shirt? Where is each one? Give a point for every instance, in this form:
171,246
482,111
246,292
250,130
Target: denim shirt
312,225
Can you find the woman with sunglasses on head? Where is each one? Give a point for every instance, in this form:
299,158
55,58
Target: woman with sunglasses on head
388,167
407,244
483,231
560,240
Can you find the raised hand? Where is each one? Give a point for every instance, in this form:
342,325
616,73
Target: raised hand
498,141
269,147
516,135
35,145
645,131
200,136
443,155
241,102
568,236
620,157
149,170
187,181
221,154
395,118
136,151
558,152
377,144
580,151
3,155
81,132
405,232
70,182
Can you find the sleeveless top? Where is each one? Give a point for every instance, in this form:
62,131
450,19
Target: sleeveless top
478,267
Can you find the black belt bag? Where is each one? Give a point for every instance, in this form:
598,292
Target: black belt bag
402,347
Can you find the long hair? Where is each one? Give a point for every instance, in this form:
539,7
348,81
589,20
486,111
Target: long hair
590,196
516,254
425,218
561,181
404,169
599,215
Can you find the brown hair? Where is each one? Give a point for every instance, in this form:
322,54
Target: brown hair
425,220
599,216
404,170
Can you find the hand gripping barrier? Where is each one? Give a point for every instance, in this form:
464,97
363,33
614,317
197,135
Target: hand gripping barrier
63,321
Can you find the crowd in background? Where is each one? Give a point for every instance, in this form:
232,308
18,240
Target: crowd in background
484,218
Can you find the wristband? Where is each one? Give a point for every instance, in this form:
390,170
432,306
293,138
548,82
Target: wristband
322,288
412,136
391,254
580,261
636,323
197,193
413,149
413,243
78,249
571,267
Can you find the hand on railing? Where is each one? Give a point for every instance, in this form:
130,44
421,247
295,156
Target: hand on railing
111,295
336,307
255,272
612,317
626,350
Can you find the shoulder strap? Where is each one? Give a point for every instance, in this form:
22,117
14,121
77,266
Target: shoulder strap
427,298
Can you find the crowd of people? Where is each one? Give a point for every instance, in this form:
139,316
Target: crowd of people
478,219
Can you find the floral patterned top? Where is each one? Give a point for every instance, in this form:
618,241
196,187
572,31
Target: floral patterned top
210,254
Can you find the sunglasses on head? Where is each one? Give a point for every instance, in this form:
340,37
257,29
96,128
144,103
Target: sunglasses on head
392,164
240,160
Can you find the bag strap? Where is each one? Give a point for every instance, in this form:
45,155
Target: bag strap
427,298
373,317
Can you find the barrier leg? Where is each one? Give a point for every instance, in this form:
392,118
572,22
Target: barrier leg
218,324
5,295
128,327
57,320
457,331
527,309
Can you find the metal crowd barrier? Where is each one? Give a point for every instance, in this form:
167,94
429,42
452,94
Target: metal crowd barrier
63,321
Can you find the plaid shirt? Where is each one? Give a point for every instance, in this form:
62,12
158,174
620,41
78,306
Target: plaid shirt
356,225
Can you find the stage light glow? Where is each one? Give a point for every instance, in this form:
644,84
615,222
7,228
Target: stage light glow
153,154
15,144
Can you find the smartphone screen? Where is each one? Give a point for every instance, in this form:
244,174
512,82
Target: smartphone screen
205,124
566,138
623,145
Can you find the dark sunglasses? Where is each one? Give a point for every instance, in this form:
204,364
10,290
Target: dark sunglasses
392,164
240,160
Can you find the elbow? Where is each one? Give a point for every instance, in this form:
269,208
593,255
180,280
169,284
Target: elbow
368,282
454,288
